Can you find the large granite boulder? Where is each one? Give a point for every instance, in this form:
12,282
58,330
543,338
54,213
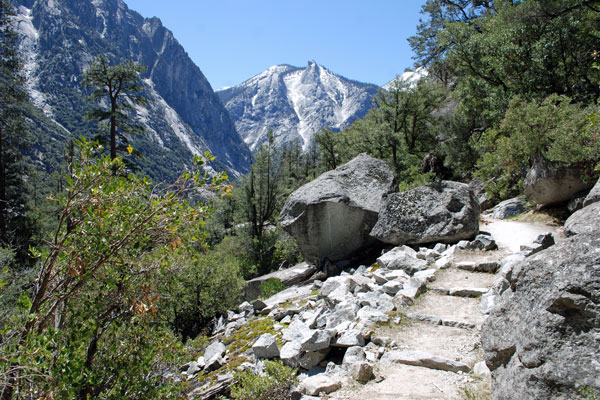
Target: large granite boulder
585,220
331,217
593,196
541,341
546,184
444,211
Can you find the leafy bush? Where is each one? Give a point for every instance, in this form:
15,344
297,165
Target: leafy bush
270,287
287,252
204,286
589,393
553,129
90,325
276,384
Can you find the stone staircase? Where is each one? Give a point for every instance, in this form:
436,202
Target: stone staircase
436,343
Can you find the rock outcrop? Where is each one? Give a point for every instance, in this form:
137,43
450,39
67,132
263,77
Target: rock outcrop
585,220
444,211
331,217
593,196
541,341
546,184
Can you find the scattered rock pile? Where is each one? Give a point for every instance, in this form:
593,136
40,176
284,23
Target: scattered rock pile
542,305
310,327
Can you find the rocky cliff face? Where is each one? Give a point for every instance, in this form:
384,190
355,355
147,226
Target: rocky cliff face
541,341
59,38
295,103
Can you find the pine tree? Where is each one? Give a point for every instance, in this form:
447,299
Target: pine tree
119,86
13,139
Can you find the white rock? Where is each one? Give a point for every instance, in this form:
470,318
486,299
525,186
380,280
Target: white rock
349,338
311,359
369,316
295,331
317,384
315,340
392,287
428,275
481,370
444,262
266,346
290,354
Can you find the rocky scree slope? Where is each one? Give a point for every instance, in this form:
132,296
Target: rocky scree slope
405,327
59,39
295,103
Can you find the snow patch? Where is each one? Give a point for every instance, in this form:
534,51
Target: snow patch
28,48
101,13
410,77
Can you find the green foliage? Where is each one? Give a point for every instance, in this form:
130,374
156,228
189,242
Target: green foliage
244,338
276,384
119,86
90,325
247,220
270,287
286,253
553,129
488,53
206,285
589,393
15,171
401,129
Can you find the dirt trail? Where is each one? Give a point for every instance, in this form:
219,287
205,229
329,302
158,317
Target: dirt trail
427,330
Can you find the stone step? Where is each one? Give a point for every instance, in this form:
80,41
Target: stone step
479,266
461,292
424,360
439,321
451,310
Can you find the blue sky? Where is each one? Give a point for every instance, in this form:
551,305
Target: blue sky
233,40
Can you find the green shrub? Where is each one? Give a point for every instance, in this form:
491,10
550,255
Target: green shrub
270,287
287,252
553,129
90,325
203,287
276,384
589,393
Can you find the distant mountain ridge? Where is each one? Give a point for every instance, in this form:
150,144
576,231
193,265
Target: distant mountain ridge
59,39
295,103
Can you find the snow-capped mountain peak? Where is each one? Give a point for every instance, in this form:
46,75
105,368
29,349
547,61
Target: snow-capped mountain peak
410,77
295,103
